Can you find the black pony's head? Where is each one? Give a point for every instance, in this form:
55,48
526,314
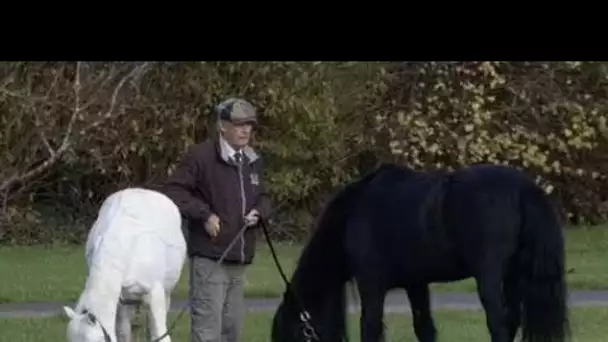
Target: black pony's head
322,320
290,323
314,304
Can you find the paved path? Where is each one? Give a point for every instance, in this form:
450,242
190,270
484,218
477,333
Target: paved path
395,302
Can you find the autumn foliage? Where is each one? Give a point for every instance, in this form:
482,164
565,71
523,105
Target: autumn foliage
71,133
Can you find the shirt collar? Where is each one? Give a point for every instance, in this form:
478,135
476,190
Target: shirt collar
229,149
227,152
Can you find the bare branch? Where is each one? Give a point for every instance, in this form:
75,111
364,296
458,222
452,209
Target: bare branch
54,83
79,107
24,96
46,143
6,185
65,143
135,73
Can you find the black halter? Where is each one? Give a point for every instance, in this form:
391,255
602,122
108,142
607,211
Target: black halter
91,316
309,331
106,336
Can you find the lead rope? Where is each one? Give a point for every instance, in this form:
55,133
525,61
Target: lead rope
309,331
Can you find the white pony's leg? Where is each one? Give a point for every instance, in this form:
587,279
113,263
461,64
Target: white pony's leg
158,306
168,301
124,319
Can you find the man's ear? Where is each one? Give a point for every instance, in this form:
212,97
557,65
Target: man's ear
223,125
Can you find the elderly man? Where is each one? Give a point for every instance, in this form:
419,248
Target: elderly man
219,190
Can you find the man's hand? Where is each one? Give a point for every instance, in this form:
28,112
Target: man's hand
252,218
212,226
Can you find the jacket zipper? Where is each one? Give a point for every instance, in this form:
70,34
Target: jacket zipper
243,207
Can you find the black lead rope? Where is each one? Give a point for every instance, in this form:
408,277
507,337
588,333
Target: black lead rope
310,332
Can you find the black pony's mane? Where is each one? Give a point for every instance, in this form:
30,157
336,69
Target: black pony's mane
323,240
321,272
307,271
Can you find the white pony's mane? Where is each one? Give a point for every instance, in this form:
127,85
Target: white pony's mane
100,294
104,280
136,235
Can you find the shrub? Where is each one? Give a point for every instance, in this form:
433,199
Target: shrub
546,118
128,123
72,133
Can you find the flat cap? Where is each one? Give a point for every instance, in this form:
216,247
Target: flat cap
236,110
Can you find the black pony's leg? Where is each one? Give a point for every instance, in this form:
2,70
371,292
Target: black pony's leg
513,305
489,287
421,312
372,310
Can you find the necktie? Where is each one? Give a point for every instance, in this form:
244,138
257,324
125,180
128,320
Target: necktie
238,157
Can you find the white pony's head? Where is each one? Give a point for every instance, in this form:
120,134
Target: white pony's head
84,327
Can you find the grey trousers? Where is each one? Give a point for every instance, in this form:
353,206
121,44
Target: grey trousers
217,303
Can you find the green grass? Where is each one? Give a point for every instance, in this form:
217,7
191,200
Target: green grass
58,273
588,325
586,255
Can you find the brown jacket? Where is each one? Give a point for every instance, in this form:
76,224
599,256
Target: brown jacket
207,182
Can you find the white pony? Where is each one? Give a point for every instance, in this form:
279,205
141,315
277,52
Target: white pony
135,251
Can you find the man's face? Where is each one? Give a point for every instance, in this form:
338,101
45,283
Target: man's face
237,134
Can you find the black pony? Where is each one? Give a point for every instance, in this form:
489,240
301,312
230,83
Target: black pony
399,228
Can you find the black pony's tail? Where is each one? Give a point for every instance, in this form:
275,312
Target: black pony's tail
544,301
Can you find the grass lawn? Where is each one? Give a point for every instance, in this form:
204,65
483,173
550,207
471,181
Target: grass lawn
588,325
58,273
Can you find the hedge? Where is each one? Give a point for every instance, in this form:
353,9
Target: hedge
74,132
